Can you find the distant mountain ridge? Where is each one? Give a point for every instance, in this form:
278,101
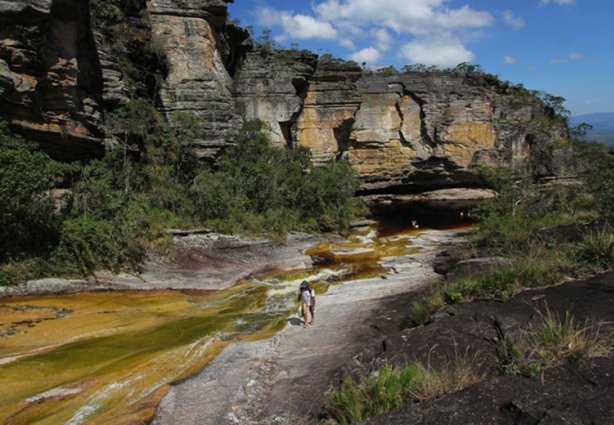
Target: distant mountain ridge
603,126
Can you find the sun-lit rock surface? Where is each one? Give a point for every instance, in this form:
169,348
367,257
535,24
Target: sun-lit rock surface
61,75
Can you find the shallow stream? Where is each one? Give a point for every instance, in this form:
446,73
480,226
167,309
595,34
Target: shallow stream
108,357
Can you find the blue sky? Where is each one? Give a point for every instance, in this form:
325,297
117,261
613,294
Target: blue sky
564,47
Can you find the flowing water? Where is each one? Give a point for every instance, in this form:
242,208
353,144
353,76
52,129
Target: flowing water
108,357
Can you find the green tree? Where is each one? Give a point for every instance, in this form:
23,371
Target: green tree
578,133
29,217
186,128
389,70
555,104
468,68
276,188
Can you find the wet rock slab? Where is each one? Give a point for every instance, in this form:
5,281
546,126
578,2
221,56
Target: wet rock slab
287,375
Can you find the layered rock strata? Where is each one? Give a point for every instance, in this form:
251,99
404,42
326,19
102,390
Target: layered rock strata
270,86
198,81
50,75
331,101
406,133
403,134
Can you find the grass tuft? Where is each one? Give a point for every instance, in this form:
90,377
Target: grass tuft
552,343
391,387
557,341
597,248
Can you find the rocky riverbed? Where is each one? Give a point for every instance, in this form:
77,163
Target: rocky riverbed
261,365
208,293
197,261
284,377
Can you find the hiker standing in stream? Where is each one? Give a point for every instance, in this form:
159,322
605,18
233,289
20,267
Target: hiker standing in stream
307,298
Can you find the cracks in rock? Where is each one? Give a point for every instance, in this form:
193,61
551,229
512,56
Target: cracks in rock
402,138
251,400
289,128
343,133
425,138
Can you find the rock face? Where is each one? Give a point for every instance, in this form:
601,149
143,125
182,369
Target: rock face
404,134
197,81
49,75
331,101
270,86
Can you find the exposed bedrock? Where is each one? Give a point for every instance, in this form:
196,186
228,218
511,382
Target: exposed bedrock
270,86
59,74
198,81
50,77
405,133
331,102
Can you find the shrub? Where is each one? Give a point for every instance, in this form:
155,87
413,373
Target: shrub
278,189
539,275
522,210
598,175
29,216
422,309
87,243
152,180
7,276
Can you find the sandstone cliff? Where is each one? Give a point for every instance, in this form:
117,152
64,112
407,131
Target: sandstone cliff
403,133
64,66
198,81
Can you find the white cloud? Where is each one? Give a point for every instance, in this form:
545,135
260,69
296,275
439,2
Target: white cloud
417,25
464,17
369,55
418,17
384,39
383,12
561,2
347,43
297,26
573,56
437,52
516,22
509,59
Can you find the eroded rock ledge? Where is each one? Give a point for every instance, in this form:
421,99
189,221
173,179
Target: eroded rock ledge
403,134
